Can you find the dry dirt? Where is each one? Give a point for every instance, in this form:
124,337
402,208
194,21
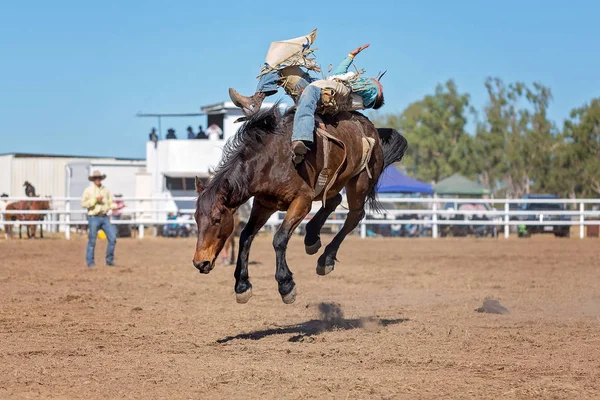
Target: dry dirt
395,320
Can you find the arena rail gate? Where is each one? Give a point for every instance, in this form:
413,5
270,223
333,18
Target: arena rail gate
65,213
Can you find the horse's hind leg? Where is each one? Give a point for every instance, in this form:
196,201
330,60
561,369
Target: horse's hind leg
356,190
299,208
312,239
258,217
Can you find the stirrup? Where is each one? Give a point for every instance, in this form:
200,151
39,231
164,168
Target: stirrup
299,149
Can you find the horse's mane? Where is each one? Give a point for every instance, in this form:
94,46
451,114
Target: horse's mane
230,176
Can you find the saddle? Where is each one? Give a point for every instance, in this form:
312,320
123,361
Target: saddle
326,179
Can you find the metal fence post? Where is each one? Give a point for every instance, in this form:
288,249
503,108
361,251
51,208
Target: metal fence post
67,220
363,230
141,231
434,220
581,220
506,219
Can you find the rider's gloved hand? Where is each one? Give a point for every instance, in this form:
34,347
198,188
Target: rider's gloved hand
354,52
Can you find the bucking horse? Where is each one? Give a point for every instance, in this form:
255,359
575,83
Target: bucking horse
257,162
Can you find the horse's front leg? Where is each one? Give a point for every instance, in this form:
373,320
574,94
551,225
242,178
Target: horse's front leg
299,208
312,239
258,217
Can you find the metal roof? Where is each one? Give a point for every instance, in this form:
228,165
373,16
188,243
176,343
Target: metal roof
34,155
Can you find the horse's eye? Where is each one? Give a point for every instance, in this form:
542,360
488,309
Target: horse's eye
216,221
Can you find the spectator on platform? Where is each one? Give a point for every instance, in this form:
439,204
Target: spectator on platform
153,137
171,134
201,134
214,132
190,133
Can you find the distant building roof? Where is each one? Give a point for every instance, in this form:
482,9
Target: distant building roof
224,106
34,155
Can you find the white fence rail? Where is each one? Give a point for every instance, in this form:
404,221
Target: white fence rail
430,213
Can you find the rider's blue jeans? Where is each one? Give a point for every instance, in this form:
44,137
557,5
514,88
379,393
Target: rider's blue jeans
270,82
304,120
96,223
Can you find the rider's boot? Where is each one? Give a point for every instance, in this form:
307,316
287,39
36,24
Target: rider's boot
249,105
299,149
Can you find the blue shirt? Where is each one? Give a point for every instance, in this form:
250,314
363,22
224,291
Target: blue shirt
364,87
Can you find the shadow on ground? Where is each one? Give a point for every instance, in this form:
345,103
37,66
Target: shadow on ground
331,318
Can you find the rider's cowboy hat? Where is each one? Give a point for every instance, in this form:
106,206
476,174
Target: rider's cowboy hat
96,175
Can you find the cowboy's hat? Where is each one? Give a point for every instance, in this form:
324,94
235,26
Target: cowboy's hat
95,175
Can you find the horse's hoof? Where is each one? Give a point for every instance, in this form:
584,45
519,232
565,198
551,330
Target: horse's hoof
290,297
324,269
313,248
242,298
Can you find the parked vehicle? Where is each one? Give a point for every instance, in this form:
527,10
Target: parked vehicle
464,230
539,213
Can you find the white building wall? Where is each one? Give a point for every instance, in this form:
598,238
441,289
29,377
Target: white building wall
230,128
49,177
5,174
46,174
120,178
182,158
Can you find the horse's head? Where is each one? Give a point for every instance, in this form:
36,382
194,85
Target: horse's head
215,225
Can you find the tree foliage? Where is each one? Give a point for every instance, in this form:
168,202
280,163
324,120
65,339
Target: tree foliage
515,148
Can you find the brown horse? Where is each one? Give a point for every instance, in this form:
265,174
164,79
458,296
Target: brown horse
257,162
16,216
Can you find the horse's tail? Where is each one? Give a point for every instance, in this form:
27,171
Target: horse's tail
394,146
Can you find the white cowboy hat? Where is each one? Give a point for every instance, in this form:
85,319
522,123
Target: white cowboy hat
95,175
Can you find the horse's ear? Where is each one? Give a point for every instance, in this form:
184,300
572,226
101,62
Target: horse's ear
199,186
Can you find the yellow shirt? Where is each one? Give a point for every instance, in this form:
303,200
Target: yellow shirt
90,201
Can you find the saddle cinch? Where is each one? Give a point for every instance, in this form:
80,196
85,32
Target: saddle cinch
325,180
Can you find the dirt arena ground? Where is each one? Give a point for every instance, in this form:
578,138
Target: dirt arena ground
395,320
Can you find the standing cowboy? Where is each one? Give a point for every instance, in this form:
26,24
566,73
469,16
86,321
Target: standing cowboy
98,201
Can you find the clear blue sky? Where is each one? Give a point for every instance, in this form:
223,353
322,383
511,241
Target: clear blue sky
74,73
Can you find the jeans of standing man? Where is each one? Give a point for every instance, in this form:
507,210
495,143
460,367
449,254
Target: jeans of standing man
270,82
96,223
304,120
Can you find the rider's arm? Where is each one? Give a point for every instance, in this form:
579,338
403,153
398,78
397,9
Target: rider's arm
344,65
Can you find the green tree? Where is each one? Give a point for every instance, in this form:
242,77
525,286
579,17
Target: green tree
578,161
438,145
514,143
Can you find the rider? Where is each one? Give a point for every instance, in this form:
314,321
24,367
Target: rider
29,189
343,91
282,68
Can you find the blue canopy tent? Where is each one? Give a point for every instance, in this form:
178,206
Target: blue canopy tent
392,181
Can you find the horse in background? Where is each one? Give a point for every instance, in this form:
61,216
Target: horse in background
25,205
